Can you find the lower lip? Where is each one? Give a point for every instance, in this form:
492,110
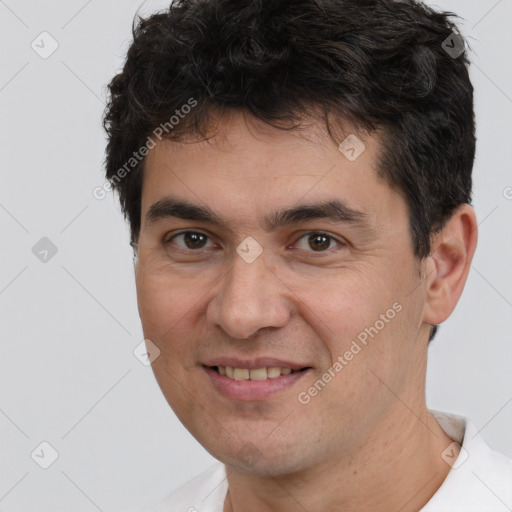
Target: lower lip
252,389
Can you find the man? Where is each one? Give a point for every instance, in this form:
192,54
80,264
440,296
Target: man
297,179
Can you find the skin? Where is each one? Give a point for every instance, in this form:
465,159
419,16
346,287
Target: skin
366,442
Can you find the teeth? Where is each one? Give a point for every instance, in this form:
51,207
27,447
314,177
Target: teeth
253,374
241,374
273,372
258,374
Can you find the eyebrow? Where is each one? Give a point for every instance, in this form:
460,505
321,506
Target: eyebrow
334,210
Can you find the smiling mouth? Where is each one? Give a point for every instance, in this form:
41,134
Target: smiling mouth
267,373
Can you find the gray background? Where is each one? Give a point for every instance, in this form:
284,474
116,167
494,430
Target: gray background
67,372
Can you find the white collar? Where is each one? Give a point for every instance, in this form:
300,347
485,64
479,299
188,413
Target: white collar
480,479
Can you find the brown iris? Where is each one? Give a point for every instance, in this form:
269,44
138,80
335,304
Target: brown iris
319,242
194,240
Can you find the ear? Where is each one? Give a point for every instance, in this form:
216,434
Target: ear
448,265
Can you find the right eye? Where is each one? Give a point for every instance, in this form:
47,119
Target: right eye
189,240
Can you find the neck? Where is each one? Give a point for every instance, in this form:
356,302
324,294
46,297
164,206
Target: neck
398,467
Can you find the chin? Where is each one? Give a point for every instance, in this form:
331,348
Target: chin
267,461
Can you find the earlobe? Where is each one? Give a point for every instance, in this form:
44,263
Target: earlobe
449,263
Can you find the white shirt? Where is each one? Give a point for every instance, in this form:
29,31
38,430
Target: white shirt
480,479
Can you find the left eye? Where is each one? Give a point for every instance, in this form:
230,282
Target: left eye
318,242
191,239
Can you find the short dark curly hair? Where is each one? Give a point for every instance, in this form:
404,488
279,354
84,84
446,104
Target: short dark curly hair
377,64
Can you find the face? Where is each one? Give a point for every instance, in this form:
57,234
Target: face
262,248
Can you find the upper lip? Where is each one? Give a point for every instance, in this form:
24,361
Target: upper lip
250,364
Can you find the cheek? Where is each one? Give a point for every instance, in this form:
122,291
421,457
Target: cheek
343,304
365,318
165,309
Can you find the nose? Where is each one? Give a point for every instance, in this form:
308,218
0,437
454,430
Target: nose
250,297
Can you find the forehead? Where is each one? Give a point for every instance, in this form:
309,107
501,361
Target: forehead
249,168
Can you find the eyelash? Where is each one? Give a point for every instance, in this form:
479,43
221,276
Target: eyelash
309,233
